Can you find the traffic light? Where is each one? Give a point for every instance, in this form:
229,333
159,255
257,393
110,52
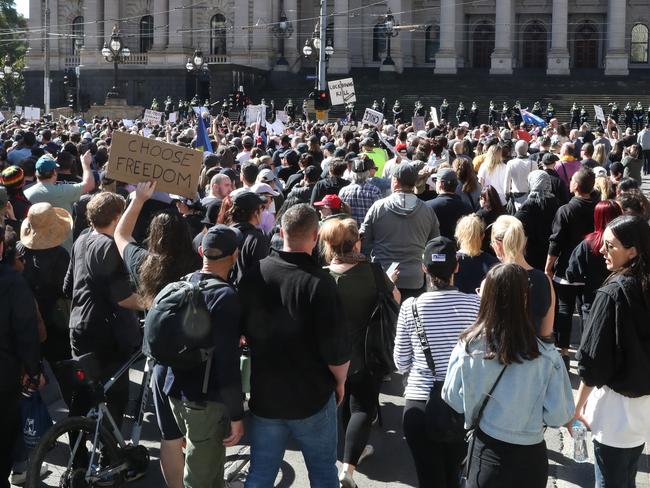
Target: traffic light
322,100
66,81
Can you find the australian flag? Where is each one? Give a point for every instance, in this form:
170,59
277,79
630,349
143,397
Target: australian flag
532,119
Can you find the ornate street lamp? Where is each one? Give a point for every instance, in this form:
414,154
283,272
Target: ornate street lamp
390,31
282,30
114,51
196,65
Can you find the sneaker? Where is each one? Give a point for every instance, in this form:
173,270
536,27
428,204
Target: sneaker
19,479
367,452
346,480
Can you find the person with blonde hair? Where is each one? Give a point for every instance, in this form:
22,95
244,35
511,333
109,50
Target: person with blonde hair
600,155
509,244
360,284
473,262
493,172
604,187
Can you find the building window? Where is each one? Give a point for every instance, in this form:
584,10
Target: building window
378,42
146,33
639,44
329,34
77,34
431,43
218,34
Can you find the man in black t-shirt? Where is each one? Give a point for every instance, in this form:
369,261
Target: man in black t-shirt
292,319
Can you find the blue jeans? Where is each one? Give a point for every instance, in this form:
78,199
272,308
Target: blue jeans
316,436
616,467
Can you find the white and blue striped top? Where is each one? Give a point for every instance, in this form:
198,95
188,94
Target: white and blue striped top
444,315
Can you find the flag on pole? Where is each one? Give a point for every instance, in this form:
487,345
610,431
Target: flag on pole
202,139
532,119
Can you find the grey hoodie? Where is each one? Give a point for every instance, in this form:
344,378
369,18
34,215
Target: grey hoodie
397,228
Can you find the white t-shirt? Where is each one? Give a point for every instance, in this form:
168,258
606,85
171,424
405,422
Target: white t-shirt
496,178
618,421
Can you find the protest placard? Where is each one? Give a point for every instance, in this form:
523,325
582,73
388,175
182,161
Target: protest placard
2,117
152,117
342,91
372,117
255,112
32,113
418,123
135,158
201,110
19,110
600,114
282,116
128,123
173,117
434,116
276,128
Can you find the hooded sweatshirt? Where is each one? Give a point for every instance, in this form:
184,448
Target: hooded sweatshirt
397,228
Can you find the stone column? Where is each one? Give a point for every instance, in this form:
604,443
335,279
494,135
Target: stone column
558,56
160,24
446,62
93,15
54,27
616,58
111,16
502,54
339,63
180,25
292,47
35,35
262,37
241,36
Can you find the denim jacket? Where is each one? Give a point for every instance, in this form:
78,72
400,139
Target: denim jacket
530,396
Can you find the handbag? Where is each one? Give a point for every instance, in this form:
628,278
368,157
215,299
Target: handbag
464,477
36,419
443,423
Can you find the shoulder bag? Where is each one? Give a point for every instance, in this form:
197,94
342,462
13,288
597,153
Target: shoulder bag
443,423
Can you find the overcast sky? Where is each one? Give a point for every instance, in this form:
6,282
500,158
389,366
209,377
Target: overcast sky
23,7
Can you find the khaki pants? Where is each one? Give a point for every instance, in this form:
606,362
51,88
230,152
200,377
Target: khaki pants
204,426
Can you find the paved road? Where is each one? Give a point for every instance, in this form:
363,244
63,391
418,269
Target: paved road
391,465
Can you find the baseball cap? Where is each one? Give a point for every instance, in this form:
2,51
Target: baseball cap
351,156
248,200
331,201
291,156
302,148
406,174
220,241
312,173
362,165
600,171
439,256
330,146
266,175
87,135
12,177
549,158
45,164
368,142
448,175
262,188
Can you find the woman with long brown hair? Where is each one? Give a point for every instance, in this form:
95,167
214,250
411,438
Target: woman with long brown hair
499,359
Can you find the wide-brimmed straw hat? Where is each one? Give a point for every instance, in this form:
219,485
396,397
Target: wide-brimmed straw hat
45,227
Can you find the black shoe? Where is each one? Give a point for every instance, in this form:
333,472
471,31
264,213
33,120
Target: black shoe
567,362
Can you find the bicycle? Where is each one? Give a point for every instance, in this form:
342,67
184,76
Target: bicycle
84,452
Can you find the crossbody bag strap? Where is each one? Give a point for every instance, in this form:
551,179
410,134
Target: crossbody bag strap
419,330
487,399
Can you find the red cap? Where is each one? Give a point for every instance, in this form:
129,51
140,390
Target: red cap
331,201
400,146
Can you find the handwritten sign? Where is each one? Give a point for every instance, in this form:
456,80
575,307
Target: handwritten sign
282,116
152,117
173,117
434,116
19,110
418,124
32,113
372,117
135,158
201,110
600,114
255,113
128,123
342,91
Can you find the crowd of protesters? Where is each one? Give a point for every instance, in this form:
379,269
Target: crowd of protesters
491,237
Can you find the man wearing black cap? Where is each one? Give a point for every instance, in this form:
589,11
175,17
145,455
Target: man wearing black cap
397,227
331,185
289,167
448,206
212,421
558,187
300,354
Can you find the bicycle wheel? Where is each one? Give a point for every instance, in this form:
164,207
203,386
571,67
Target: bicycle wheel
65,450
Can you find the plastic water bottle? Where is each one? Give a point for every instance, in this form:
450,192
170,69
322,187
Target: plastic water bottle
580,453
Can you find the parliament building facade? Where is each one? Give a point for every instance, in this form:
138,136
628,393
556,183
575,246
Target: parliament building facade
243,40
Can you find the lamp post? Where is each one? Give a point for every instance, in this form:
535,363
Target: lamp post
390,31
323,55
282,30
196,64
8,75
114,51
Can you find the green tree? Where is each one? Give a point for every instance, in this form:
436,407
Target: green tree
13,35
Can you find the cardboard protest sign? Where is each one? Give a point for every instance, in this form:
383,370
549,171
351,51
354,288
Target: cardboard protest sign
434,116
255,112
128,123
173,117
372,117
282,116
32,113
276,128
342,91
418,124
201,110
19,110
600,115
135,158
152,117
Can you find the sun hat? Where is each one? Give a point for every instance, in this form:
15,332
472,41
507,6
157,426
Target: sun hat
45,226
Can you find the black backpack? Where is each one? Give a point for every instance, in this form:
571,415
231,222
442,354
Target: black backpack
379,340
178,331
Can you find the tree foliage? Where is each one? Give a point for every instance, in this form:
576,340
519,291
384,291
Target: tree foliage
13,42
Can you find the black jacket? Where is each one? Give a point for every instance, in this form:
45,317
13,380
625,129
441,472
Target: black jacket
537,218
449,208
328,186
572,223
588,268
256,246
615,345
558,187
19,342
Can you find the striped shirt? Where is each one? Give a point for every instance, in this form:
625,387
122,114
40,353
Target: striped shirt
444,315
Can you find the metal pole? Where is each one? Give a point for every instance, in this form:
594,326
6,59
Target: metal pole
77,71
322,63
46,70
196,86
115,90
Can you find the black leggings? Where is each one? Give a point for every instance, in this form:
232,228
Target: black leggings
437,464
358,410
498,464
566,304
